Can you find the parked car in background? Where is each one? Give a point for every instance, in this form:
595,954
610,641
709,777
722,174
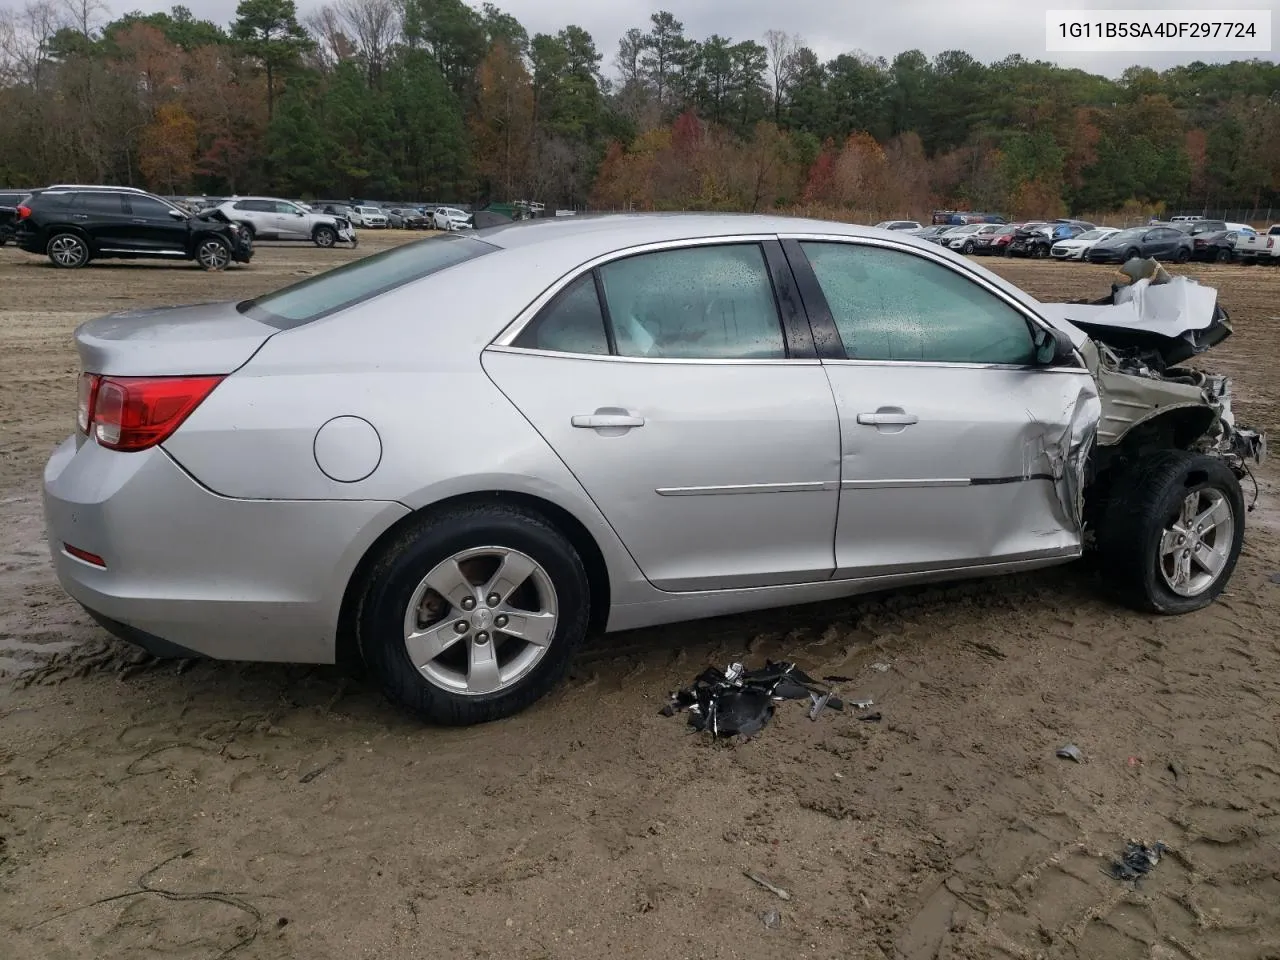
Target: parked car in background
898,225
9,203
1214,246
1074,248
369,217
995,243
407,218
266,218
74,225
451,218
1158,242
605,487
1038,241
933,234
964,239
1259,248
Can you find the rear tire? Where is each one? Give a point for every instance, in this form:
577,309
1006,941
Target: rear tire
1224,255
446,679
1183,256
1138,538
325,236
67,251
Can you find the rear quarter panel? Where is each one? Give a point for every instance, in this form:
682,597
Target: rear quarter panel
414,373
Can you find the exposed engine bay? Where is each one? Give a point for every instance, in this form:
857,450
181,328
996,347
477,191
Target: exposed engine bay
1135,342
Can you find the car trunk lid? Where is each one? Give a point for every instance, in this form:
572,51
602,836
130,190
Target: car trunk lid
206,338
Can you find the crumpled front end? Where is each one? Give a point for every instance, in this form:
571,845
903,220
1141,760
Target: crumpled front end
1138,337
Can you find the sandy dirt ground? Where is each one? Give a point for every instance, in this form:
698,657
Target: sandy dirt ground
203,810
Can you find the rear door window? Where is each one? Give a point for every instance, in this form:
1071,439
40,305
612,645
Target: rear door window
708,303
101,203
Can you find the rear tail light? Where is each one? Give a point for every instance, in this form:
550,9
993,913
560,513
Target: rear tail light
134,413
84,405
23,212
1271,242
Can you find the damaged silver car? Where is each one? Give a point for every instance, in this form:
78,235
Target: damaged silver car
621,422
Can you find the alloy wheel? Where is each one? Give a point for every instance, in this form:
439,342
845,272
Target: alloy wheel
481,620
1196,544
213,254
67,251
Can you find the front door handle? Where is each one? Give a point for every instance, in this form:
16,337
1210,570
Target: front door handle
888,417
607,418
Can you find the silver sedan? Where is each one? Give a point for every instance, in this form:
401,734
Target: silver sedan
610,423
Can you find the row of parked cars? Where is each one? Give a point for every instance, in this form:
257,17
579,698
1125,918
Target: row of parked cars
73,224
368,216
1186,238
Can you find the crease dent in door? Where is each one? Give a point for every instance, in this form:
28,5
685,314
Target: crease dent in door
1060,449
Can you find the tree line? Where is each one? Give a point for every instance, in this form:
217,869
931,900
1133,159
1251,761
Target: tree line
436,99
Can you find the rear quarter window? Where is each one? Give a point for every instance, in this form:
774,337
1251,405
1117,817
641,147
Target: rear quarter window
353,283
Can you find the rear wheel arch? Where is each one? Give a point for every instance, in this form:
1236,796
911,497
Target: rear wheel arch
347,652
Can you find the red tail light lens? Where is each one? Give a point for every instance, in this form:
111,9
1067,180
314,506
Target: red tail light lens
84,404
24,212
134,413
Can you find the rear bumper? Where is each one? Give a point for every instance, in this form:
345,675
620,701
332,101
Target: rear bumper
193,573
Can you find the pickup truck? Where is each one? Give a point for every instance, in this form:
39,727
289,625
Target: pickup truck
1260,247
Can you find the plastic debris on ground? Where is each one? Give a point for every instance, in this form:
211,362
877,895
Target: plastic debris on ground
1070,752
1137,862
739,702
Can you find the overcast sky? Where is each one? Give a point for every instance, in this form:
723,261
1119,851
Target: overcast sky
986,29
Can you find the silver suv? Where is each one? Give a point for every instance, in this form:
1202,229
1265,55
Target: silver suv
267,218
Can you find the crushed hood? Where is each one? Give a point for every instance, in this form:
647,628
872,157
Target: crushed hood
1162,319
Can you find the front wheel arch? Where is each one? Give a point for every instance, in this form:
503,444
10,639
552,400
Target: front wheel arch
347,651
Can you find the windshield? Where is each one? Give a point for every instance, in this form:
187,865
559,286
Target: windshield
967,228
1094,234
1133,233
368,209
361,280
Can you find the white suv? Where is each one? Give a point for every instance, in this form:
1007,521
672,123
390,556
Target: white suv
267,218
451,218
367,216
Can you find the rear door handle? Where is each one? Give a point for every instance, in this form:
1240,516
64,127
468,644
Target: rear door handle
895,419
599,419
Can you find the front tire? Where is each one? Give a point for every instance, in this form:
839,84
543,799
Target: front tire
67,251
1171,534
325,237
473,614
213,254
967,249
1183,256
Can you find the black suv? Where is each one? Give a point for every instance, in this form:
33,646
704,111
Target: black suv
73,225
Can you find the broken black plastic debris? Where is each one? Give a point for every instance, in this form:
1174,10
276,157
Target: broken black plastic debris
1070,752
739,702
1137,862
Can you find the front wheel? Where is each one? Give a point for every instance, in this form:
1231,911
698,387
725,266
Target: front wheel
1132,254
213,253
473,614
325,236
967,249
1183,256
68,251
1172,531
